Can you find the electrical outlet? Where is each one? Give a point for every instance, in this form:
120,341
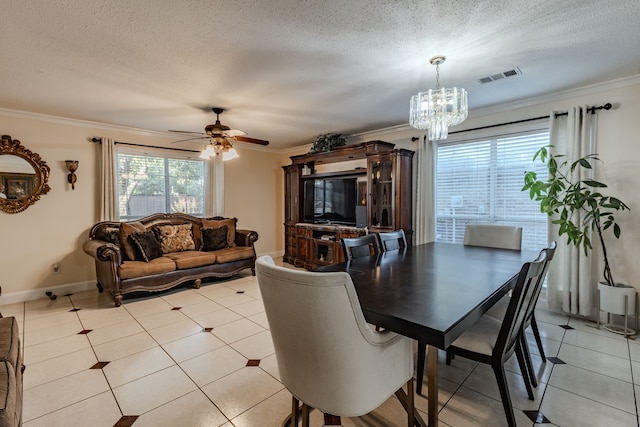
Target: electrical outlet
55,268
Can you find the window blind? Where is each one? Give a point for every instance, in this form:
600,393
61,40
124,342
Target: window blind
480,182
152,183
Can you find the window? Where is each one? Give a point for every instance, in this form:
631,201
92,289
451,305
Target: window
151,183
480,182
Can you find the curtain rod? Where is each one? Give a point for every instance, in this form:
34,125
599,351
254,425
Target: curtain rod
591,110
99,141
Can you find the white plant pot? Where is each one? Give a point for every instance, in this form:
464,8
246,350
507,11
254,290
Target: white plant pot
612,300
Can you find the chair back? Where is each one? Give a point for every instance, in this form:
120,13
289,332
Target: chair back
360,247
520,300
392,240
493,236
550,251
328,357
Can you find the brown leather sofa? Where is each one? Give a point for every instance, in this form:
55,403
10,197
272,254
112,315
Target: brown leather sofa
128,259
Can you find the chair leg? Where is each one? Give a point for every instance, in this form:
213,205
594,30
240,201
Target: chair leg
422,352
523,370
305,415
295,403
527,359
536,334
498,369
450,357
410,404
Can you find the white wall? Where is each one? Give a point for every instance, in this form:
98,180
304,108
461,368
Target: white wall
618,145
54,229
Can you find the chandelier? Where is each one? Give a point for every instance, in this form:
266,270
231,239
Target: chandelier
439,108
219,147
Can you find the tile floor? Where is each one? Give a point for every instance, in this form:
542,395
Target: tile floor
204,358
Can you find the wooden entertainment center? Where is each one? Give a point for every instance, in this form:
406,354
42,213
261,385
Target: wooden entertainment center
383,199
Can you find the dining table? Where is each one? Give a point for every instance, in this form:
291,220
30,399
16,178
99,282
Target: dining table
433,293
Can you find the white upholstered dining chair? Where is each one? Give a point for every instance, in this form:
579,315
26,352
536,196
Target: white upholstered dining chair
493,236
328,357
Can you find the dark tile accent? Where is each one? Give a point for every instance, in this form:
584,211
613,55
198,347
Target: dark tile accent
74,309
556,361
566,327
537,417
85,331
126,421
207,330
239,292
332,420
253,362
176,308
99,365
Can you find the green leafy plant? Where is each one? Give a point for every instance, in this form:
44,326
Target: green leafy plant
564,196
327,142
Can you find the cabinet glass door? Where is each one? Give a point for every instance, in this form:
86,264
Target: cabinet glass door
381,178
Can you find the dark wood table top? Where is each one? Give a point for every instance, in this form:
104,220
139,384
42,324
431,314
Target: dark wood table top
435,291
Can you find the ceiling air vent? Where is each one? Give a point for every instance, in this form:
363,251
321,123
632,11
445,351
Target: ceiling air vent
509,73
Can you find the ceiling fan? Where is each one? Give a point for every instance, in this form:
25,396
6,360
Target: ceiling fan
221,137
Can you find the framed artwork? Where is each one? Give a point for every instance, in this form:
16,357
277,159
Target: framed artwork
18,188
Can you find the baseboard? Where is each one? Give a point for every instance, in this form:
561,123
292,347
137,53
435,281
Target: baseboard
33,294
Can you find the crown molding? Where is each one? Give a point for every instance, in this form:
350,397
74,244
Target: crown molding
400,131
396,132
558,96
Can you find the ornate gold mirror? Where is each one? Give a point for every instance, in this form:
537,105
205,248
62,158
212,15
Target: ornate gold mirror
23,176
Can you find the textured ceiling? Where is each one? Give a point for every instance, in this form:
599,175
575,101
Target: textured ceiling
289,70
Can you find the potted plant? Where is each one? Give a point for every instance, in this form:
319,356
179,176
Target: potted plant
327,142
563,195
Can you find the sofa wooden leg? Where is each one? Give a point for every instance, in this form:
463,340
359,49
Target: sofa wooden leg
197,283
118,300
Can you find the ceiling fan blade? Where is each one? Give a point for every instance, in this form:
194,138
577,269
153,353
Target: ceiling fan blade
186,131
190,139
234,132
251,140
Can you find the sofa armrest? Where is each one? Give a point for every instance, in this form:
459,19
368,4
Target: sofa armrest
103,251
246,237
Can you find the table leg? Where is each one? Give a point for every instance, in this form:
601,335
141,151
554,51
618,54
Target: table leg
432,387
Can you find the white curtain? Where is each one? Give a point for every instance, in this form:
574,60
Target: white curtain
571,277
216,184
108,201
425,227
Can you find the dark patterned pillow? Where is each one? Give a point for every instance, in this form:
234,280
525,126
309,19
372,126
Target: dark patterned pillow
147,245
215,238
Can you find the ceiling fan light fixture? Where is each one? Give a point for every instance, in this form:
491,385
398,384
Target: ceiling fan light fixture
229,154
437,109
208,152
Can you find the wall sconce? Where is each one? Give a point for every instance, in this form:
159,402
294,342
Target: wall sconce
72,166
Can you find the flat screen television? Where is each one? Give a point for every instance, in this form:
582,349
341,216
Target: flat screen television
330,200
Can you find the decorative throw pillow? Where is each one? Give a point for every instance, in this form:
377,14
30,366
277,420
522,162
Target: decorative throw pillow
147,245
175,238
112,235
217,223
126,230
215,238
